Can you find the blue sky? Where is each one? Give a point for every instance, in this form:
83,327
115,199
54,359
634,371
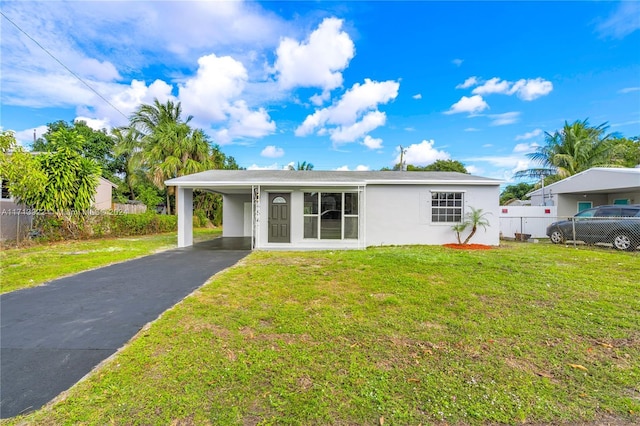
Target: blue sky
339,84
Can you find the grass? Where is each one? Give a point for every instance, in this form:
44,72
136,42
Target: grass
34,265
525,333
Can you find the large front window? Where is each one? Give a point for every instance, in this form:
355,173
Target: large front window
446,207
331,215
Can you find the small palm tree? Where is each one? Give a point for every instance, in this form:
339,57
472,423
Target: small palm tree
474,218
301,166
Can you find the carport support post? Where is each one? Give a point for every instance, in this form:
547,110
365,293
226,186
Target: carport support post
185,217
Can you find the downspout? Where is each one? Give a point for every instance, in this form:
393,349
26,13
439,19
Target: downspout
362,233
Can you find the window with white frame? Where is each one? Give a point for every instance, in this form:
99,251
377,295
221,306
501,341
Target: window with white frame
331,215
446,207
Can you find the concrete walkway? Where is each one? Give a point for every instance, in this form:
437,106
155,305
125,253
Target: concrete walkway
54,334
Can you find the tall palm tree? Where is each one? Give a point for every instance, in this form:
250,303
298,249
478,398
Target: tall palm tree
128,147
148,117
170,147
574,149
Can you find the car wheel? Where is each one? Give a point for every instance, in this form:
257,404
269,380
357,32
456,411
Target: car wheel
557,237
623,241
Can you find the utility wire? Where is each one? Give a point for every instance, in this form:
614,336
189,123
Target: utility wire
63,65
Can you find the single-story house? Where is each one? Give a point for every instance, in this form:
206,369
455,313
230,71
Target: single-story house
104,194
281,209
594,187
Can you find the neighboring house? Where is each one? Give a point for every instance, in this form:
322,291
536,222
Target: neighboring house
594,187
104,194
340,210
16,219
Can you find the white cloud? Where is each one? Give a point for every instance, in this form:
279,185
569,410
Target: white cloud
272,151
274,166
422,154
212,96
349,133
342,169
525,148
417,96
318,61
354,115
140,35
25,137
622,22
372,143
529,135
629,90
95,123
127,98
474,170
471,81
531,89
457,62
244,122
217,81
494,85
362,168
471,129
504,119
320,98
471,105
525,89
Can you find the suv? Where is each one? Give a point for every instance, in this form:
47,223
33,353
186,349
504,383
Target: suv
614,224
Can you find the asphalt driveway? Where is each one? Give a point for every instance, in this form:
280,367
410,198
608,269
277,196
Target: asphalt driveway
53,335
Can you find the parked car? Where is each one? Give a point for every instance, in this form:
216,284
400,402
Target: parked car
618,225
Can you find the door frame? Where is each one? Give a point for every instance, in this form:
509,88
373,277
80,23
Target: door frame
271,197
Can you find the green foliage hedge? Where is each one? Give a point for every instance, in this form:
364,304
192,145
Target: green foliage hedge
103,224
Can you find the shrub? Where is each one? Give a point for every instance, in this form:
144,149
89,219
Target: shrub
104,224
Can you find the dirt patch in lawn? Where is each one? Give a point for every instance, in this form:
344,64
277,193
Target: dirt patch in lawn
468,246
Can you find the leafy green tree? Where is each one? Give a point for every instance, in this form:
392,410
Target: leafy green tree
473,219
440,166
64,180
19,170
574,149
128,151
97,145
516,192
437,166
627,151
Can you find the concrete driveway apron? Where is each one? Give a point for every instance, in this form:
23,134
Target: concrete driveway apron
53,335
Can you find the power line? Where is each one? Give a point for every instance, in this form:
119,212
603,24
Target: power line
63,65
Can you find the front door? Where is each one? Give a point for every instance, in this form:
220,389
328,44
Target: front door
279,222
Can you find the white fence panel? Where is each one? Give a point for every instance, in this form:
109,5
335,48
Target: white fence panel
532,221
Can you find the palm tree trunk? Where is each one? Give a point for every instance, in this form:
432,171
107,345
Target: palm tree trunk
473,231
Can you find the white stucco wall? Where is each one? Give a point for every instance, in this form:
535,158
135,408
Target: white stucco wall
102,200
388,215
233,215
298,242
401,214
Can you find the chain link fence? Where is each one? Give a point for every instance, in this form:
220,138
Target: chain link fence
621,233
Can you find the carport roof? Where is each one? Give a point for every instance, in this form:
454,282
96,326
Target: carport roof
596,180
312,178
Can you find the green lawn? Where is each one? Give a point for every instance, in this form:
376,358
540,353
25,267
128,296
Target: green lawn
31,266
529,333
